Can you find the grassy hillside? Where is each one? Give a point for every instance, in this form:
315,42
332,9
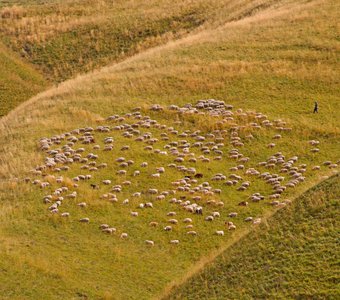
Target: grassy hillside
292,256
65,38
18,81
277,61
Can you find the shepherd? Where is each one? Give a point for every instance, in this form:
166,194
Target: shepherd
315,107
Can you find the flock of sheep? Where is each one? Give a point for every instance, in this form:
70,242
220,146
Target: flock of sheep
189,152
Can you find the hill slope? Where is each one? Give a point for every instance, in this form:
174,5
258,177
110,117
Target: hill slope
292,256
249,64
18,81
63,38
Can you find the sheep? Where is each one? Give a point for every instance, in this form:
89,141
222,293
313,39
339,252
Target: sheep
149,242
65,214
103,226
134,214
199,210
144,164
156,175
153,191
153,224
171,214
216,214
121,172
125,202
124,235
84,220
209,218
219,232
106,182
136,173
110,230
233,214
148,205
174,242
167,228
160,197
231,226
136,194
192,232
160,170
187,220
173,221
248,219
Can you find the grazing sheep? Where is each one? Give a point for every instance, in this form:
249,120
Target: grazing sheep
65,214
153,224
82,204
174,242
216,214
134,214
124,235
136,173
125,202
171,214
84,220
220,232
233,215
187,220
192,232
209,218
149,242
173,221
167,228
148,205
110,230
103,226
231,226
248,219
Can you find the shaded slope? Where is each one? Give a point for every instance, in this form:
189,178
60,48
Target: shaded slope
295,255
18,81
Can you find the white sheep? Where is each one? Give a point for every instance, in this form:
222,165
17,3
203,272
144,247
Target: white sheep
220,232
65,214
192,232
174,242
216,214
124,235
134,214
167,228
149,242
110,230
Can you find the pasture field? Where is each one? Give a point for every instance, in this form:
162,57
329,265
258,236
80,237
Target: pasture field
292,256
276,60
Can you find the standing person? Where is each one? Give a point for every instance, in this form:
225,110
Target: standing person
316,108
